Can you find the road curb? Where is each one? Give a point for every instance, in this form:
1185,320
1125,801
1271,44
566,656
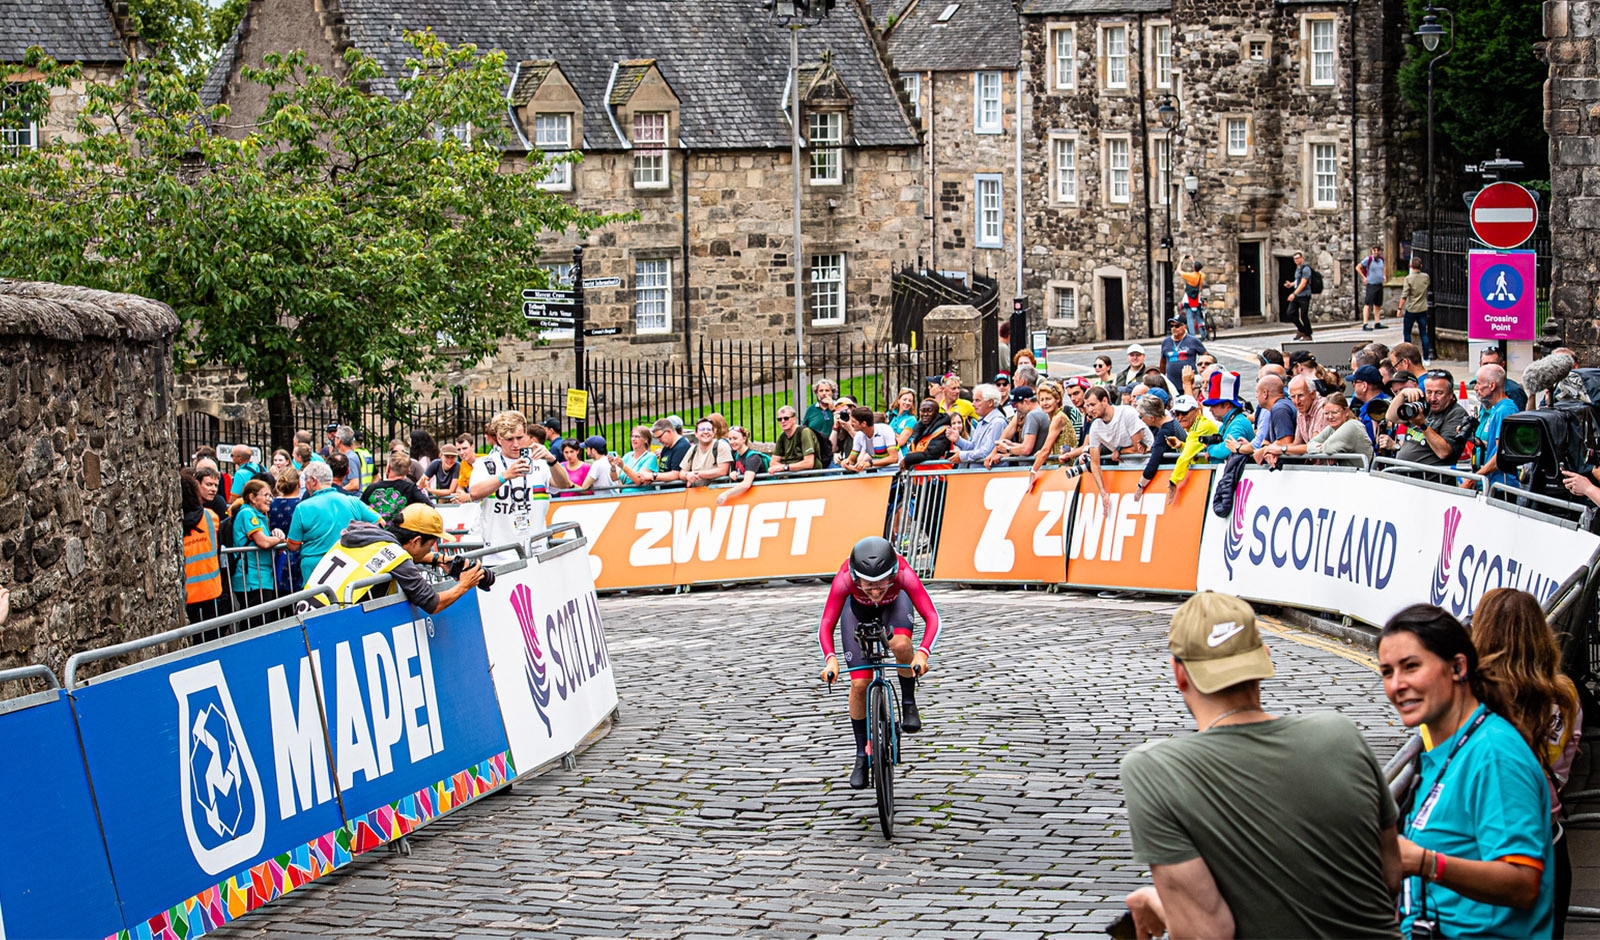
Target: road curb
1344,629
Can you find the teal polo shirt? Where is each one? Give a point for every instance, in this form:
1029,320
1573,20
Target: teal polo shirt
320,519
1495,804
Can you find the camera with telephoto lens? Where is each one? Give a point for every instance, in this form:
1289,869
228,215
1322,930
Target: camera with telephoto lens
458,564
1077,466
1211,440
1410,411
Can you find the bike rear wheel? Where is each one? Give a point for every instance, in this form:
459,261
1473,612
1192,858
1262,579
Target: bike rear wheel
880,729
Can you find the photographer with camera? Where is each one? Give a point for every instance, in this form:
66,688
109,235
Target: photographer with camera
513,484
1436,426
408,539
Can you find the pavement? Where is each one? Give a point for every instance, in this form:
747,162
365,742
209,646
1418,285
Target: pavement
718,805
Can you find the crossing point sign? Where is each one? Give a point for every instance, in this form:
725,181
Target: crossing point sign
1504,215
1500,295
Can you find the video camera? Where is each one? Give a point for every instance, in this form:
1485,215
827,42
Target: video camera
1548,441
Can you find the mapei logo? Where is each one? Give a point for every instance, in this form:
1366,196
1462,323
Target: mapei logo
1441,571
534,666
223,812
1233,543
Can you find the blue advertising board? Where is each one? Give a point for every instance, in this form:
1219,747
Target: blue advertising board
409,706
55,880
206,764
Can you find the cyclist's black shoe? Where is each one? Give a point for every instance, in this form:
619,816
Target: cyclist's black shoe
858,773
910,721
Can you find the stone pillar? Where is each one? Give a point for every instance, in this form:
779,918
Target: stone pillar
1572,118
960,325
89,503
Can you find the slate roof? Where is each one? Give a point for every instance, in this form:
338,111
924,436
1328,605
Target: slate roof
1030,7
981,34
217,79
69,30
529,77
629,75
725,59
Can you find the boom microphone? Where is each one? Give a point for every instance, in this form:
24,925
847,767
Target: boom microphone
1546,373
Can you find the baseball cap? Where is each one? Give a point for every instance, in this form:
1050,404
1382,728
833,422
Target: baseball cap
423,520
1214,635
1161,393
1301,355
595,441
1135,348
1185,404
934,380
448,450
1082,381
676,422
1174,321
1367,374
1022,393
1002,377
1403,377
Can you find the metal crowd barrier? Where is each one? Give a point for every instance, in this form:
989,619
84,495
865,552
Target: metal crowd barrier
916,511
35,671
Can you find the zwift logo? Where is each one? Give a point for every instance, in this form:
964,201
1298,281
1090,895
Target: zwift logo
1233,545
1441,571
223,812
534,667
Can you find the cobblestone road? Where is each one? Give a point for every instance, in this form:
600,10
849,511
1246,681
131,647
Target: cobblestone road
718,806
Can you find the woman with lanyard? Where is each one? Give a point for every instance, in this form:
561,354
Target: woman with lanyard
1476,849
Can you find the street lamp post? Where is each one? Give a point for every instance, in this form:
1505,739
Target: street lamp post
1167,111
1430,33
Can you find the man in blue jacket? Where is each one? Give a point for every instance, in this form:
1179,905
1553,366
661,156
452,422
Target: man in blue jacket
1222,400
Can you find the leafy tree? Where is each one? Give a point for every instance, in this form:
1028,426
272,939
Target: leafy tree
178,31
1488,94
346,239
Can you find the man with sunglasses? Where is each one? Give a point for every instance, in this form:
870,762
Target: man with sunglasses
876,584
1438,439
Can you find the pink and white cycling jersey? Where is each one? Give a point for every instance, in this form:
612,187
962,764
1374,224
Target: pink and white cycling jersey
844,587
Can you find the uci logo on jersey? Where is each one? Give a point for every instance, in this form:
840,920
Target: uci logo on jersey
223,813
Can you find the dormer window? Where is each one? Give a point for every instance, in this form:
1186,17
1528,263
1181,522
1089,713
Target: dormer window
826,137
552,134
649,149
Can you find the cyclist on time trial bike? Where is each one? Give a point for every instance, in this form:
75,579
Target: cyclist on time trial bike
877,584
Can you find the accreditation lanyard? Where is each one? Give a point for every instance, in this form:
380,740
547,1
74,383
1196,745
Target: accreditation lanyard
1420,819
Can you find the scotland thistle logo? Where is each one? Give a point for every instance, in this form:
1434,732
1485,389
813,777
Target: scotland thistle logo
1233,545
538,676
1447,554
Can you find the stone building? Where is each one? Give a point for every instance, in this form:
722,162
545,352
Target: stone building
83,32
89,507
679,112
1572,116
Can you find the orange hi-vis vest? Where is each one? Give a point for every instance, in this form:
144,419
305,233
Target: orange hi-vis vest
202,568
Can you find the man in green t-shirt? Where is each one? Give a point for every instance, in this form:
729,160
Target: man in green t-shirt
796,447
1258,826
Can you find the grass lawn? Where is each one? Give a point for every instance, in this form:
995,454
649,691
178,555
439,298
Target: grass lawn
759,413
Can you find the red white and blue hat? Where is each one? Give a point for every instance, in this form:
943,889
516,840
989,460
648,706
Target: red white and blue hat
1222,388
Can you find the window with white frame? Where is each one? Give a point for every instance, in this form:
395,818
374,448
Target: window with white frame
827,289
552,133
652,296
825,134
1119,167
560,279
649,150
461,132
18,130
1063,48
912,83
986,102
1115,39
1238,137
1324,176
1322,52
1064,167
1162,49
990,212
1163,157
1064,306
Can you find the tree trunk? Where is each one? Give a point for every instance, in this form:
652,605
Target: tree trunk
280,414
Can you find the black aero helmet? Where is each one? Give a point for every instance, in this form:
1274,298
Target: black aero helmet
874,559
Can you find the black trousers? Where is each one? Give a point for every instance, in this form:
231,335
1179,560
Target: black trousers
1298,312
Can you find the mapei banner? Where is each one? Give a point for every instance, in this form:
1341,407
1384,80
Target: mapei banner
1367,546
1132,541
996,528
548,655
777,529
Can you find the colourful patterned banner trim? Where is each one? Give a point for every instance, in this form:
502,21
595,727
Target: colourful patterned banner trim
275,877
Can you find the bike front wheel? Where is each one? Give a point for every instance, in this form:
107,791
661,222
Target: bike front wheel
880,727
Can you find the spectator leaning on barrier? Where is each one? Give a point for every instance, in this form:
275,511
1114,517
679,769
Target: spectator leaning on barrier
1276,421
839,440
748,463
637,463
873,444
1491,356
930,443
1115,431
514,485
1167,435
1227,409
903,415
1342,434
1309,419
710,459
1035,424
322,515
602,476
395,491
673,448
1075,388
1438,438
1259,825
1196,424
1061,436
407,540
796,447
1493,407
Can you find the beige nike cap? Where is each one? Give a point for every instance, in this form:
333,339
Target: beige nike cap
1214,636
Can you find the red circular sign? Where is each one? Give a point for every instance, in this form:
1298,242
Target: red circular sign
1504,215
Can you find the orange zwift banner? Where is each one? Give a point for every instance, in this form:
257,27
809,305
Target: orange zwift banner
777,529
996,528
1146,543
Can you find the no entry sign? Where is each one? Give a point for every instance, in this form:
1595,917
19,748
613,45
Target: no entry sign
1504,215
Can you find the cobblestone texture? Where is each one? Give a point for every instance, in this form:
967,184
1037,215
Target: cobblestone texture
718,806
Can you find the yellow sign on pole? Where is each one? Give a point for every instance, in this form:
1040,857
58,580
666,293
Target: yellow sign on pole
577,404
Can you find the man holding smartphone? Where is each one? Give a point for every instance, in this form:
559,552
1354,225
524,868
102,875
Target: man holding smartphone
513,485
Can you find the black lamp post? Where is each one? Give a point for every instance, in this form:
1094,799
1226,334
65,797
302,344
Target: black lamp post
1167,112
1431,33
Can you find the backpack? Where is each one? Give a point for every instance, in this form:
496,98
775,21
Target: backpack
824,449
765,459
1314,282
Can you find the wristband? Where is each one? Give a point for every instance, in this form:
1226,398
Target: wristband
500,477
1438,865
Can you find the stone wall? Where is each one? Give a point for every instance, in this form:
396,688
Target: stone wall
957,154
89,502
1572,117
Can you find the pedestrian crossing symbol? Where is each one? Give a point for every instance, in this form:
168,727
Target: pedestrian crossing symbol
1501,286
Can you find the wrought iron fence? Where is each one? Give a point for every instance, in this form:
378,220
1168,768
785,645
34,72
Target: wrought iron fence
1444,258
915,291
744,381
